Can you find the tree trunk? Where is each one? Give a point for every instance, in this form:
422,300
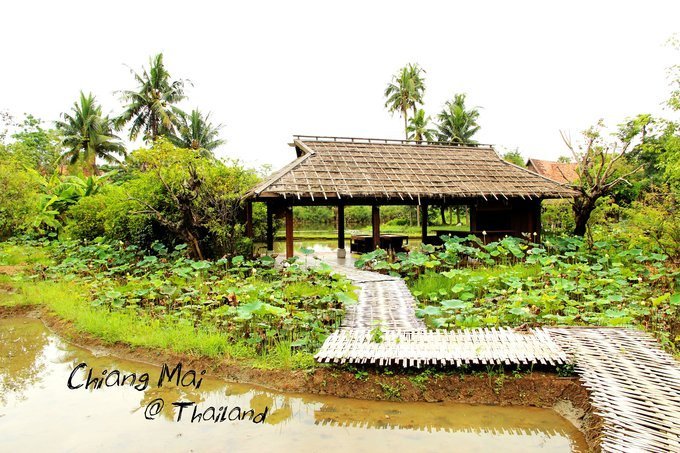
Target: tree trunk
405,124
92,163
442,210
195,247
582,208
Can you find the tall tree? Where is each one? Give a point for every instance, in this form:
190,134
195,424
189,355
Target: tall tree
600,167
151,106
405,92
35,146
196,132
88,134
418,128
458,124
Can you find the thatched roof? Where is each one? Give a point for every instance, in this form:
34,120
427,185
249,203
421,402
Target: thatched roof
562,172
331,168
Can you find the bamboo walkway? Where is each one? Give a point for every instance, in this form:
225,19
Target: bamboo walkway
416,348
384,302
634,386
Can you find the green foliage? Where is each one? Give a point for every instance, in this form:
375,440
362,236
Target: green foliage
557,217
314,215
68,301
420,380
457,124
87,134
652,223
18,198
566,370
112,214
405,92
377,335
358,215
418,128
175,196
195,131
150,107
514,157
34,146
361,375
57,195
568,282
391,392
267,309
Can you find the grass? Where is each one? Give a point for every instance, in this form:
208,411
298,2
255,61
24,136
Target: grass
68,301
16,255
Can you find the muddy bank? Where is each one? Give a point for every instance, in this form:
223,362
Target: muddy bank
538,388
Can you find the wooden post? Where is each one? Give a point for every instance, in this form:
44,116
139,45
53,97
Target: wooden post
270,228
341,231
376,226
473,217
423,222
249,219
289,232
537,222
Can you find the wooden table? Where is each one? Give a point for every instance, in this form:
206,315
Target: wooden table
363,243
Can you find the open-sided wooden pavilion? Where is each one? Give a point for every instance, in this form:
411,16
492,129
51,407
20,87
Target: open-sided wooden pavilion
503,199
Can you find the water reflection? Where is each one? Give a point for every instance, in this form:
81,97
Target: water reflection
38,411
21,354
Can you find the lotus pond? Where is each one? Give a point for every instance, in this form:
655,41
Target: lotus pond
565,281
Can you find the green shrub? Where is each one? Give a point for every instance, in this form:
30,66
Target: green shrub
18,198
358,215
173,196
557,217
314,214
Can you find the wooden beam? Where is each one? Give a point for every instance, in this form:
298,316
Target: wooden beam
341,231
249,219
290,251
375,211
423,222
270,227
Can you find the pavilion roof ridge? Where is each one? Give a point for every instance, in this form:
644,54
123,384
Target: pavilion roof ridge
385,141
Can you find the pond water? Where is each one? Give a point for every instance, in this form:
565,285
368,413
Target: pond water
39,412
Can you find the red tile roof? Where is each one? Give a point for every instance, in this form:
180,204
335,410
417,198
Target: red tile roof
564,173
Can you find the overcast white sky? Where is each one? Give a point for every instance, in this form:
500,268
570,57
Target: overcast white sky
268,70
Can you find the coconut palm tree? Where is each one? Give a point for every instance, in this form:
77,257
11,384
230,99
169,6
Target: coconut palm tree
151,107
405,91
195,131
456,123
88,134
418,127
